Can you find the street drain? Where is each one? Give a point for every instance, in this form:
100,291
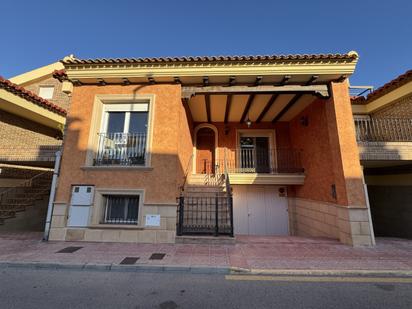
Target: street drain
129,260
157,256
69,250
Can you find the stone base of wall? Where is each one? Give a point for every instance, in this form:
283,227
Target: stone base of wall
350,225
165,233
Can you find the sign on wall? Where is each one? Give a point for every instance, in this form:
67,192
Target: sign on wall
152,220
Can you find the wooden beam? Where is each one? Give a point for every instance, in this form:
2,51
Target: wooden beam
267,107
287,107
247,107
321,90
312,80
229,100
207,101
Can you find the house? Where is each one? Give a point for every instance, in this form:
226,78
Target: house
384,133
158,149
32,118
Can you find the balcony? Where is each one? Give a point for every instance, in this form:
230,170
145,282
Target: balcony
126,149
383,139
384,130
264,166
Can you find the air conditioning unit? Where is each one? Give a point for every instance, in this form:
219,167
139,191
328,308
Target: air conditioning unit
80,203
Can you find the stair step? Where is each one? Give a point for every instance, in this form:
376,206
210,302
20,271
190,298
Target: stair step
7,214
221,240
6,205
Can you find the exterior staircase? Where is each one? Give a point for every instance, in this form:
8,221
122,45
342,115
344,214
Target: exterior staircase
205,210
20,198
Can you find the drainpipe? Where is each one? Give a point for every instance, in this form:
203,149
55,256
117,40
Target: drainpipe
368,206
52,195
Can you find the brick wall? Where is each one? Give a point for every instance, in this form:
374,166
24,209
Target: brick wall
385,151
400,109
25,140
59,98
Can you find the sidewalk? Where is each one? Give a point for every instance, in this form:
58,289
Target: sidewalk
249,254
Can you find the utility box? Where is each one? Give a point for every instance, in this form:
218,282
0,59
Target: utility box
80,203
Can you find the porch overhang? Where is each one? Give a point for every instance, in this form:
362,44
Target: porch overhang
266,179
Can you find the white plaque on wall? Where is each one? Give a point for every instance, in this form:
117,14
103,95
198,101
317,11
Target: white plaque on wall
152,220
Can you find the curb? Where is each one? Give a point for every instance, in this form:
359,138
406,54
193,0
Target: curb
205,270
325,272
117,267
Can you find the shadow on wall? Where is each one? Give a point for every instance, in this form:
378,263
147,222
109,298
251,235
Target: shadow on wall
118,165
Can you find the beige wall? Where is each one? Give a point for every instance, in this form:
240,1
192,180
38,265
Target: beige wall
59,98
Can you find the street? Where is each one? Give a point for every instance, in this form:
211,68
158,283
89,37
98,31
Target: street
43,288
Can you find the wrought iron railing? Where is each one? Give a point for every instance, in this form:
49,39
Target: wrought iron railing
383,129
251,160
207,215
121,149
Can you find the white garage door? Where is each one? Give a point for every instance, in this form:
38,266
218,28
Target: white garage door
259,210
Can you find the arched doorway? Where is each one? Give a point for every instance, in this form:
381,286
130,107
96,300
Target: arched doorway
205,151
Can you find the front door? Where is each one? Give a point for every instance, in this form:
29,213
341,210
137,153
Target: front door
255,154
205,151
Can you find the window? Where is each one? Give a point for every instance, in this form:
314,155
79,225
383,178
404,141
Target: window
121,209
123,137
46,92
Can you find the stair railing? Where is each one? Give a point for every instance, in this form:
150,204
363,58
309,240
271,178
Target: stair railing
27,183
189,165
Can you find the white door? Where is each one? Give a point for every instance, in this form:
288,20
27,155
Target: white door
259,210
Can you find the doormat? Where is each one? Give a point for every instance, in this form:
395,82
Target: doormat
69,250
129,260
157,256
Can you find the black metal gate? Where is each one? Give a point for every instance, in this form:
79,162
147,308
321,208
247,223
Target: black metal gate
207,215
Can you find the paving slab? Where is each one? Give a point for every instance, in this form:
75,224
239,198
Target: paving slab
249,254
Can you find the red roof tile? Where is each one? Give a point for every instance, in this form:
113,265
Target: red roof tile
348,56
30,96
388,87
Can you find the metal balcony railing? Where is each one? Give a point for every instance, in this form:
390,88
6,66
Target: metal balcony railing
383,130
273,161
121,149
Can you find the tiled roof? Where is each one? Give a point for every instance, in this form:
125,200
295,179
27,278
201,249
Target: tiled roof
30,96
388,87
313,57
60,75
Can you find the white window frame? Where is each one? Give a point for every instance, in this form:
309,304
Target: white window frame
97,120
47,88
126,108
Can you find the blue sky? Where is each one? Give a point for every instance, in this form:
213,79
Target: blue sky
36,33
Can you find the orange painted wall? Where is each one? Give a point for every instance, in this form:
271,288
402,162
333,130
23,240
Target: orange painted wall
316,158
171,146
330,153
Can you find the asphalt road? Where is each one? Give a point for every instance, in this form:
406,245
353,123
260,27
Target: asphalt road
29,288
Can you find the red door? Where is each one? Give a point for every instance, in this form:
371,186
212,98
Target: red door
205,151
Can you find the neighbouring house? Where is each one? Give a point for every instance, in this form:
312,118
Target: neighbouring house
159,149
32,118
384,133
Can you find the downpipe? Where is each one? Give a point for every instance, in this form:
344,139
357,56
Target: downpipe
50,206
